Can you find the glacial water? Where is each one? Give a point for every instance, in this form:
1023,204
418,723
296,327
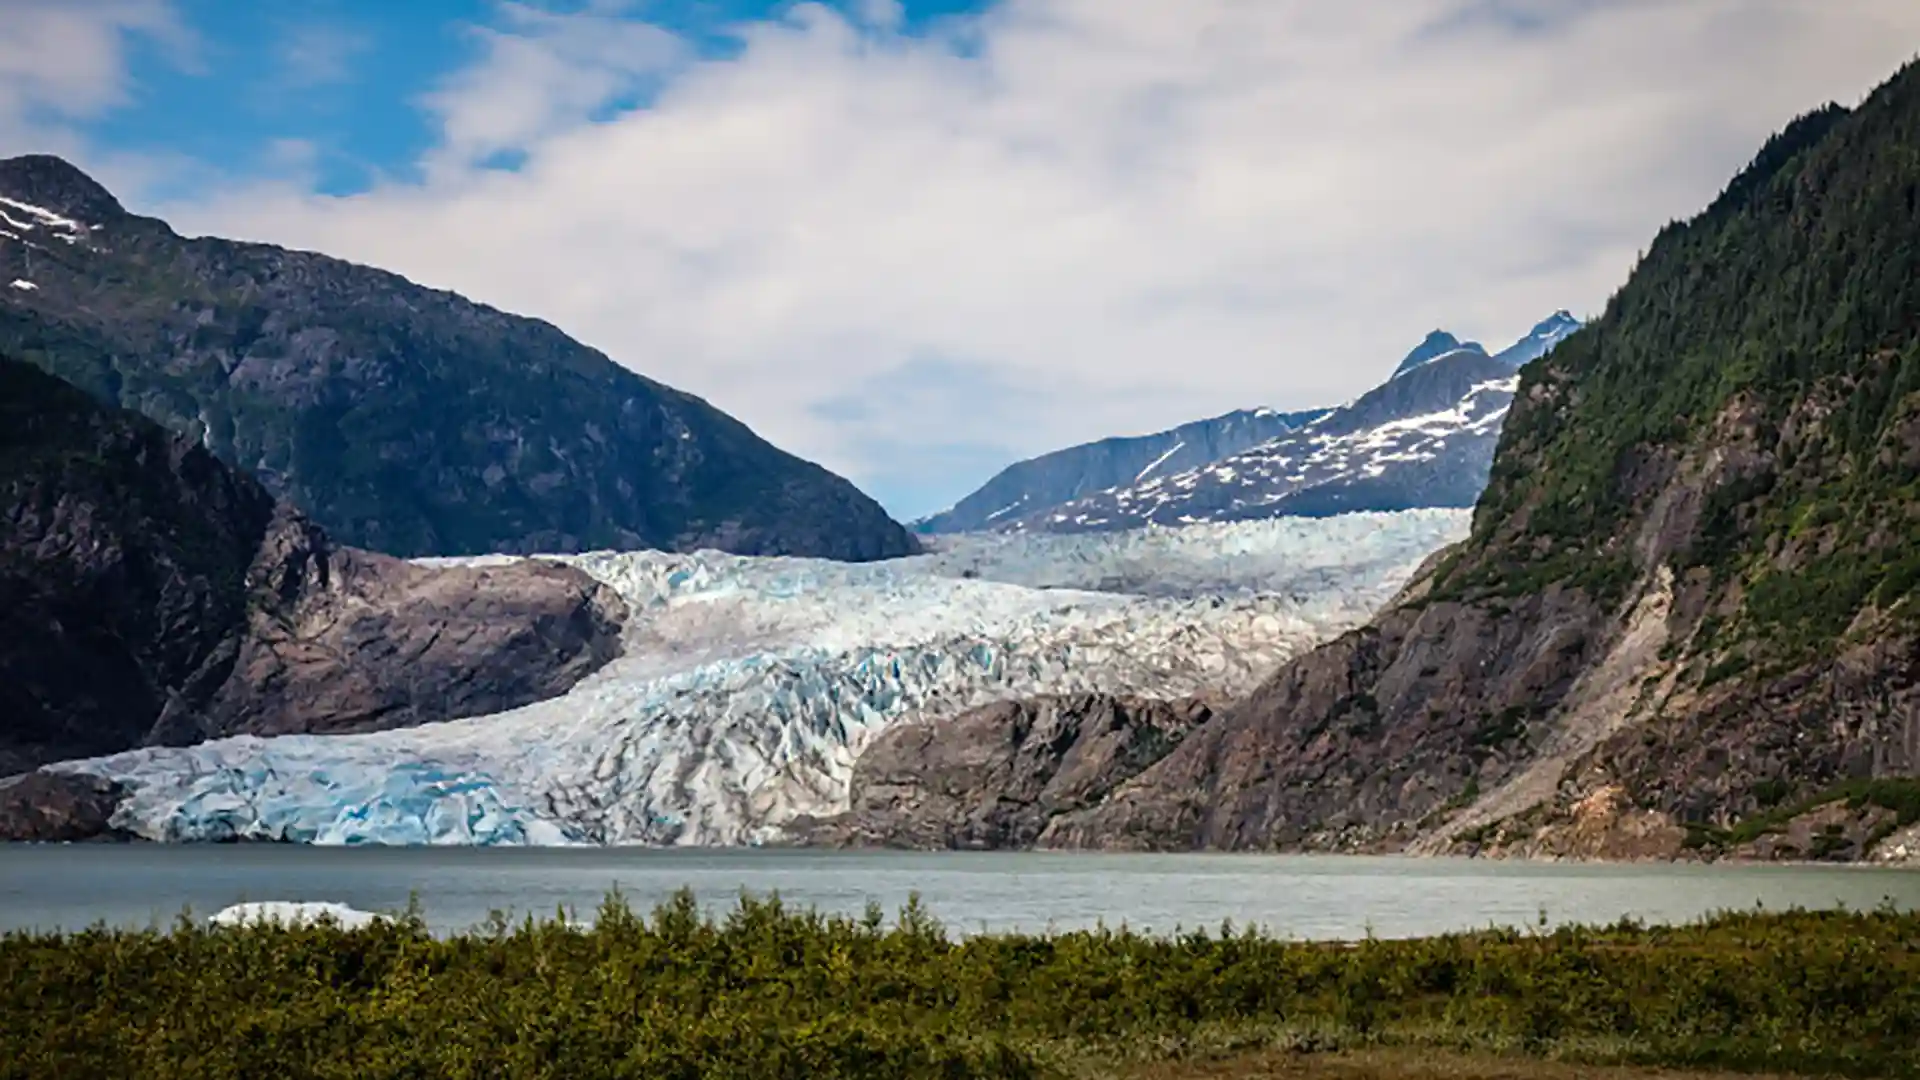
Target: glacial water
1319,897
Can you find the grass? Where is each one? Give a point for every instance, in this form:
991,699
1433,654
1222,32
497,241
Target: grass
771,993
1403,1065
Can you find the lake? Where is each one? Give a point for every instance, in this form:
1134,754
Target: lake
1302,896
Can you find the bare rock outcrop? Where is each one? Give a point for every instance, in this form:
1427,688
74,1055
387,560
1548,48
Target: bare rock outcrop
342,640
58,808
999,776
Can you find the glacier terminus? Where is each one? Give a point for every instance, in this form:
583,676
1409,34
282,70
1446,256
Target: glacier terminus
748,686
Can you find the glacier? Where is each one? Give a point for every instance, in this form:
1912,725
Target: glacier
748,686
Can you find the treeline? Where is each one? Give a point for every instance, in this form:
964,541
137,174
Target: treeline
766,992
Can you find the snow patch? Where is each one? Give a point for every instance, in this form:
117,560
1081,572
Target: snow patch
41,216
1157,462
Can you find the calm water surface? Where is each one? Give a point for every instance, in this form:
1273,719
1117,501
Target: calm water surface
54,886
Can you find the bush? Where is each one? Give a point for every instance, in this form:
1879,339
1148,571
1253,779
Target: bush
770,993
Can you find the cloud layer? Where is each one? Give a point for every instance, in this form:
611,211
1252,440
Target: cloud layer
65,60
916,257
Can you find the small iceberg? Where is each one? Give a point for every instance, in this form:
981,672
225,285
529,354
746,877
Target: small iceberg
291,913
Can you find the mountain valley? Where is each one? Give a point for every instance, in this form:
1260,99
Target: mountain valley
1683,625
1642,588
747,688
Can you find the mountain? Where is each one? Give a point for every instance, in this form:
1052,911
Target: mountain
403,419
750,686
1545,335
151,594
1425,437
1437,344
1042,483
1685,622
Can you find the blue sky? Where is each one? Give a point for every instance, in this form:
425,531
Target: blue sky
918,242
341,76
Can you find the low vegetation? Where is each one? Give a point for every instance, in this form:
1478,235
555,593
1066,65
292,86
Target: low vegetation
1898,796
766,992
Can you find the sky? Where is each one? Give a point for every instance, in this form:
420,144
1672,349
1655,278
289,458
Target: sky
916,241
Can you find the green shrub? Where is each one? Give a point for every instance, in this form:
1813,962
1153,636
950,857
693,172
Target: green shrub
771,993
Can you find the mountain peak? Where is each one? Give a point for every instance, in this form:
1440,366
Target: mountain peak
1436,344
57,186
1545,334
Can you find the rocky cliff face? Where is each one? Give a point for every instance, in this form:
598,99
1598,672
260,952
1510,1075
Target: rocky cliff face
341,640
151,594
59,808
1685,624
1000,776
402,419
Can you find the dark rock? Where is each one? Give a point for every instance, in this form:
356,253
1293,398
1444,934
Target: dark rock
402,419
45,807
150,594
53,184
998,776
343,640
1353,744
123,556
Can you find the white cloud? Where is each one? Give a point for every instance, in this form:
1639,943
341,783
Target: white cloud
62,60
540,72
1084,217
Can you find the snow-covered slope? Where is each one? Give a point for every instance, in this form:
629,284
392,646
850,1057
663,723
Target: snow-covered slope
1036,484
1431,458
1545,334
1423,438
750,685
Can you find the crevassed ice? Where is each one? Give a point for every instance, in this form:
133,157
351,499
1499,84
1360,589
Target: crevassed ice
750,685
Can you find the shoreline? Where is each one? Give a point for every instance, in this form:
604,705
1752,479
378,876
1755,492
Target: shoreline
132,841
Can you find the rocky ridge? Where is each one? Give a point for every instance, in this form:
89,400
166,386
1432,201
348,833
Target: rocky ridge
1041,483
1423,438
402,419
